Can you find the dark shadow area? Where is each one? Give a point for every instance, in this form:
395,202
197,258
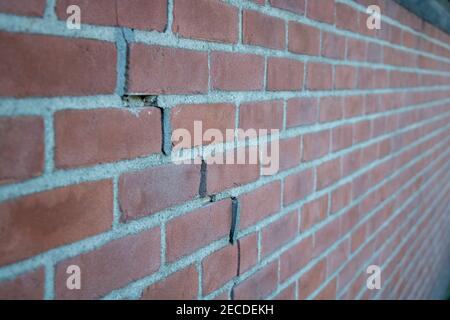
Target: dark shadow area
436,12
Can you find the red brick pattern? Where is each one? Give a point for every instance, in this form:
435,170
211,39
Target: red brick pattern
137,14
88,175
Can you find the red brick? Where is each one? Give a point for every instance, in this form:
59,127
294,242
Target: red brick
262,30
298,186
219,268
356,49
380,79
286,294
328,173
316,145
296,6
358,237
321,10
260,203
314,212
279,232
304,39
261,115
301,111
290,153
351,162
43,221
143,193
366,78
342,137
378,126
353,106
86,137
312,279
223,296
345,77
410,40
112,266
29,286
349,219
34,8
374,52
206,20
372,104
22,145
38,65
320,76
360,185
369,154
260,2
333,46
259,285
392,56
136,14
395,35
181,285
162,70
361,131
298,256
355,286
284,74
385,148
329,292
330,109
346,17
212,116
190,232
341,197
383,33
237,72
325,237
249,252
337,257
222,176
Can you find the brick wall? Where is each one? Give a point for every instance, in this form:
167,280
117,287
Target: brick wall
87,177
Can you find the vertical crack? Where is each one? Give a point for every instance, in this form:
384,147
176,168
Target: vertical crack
238,268
124,36
238,271
235,217
203,181
167,134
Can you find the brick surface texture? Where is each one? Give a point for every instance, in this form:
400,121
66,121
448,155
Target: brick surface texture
88,175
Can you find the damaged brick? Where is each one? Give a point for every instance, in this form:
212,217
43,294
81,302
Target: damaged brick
136,101
166,132
203,185
235,217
